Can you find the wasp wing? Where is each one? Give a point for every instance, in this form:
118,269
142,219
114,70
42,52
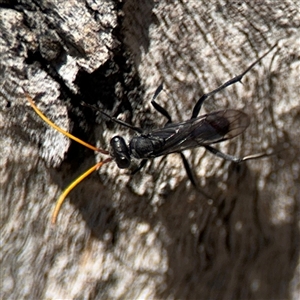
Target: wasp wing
207,129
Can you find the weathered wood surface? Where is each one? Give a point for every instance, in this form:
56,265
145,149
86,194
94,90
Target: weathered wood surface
151,235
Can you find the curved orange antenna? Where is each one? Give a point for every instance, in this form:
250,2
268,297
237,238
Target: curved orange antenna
69,135
73,184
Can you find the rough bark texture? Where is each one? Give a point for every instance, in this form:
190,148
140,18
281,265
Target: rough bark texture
151,235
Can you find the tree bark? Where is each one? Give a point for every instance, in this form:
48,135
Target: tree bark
151,235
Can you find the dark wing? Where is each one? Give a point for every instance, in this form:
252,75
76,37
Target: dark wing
207,129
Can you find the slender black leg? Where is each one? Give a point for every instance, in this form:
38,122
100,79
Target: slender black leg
142,164
191,175
159,108
234,158
120,122
158,90
223,155
188,169
235,79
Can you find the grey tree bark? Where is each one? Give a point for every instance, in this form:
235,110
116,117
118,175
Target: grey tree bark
151,235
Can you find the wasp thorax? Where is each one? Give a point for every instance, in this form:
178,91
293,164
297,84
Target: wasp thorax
141,147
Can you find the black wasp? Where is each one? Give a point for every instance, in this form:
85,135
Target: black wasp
198,131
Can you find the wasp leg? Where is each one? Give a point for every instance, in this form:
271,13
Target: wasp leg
159,108
191,175
234,158
113,119
235,79
188,169
223,155
142,164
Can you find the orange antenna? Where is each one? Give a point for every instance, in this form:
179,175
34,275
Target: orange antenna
63,196
69,135
73,184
